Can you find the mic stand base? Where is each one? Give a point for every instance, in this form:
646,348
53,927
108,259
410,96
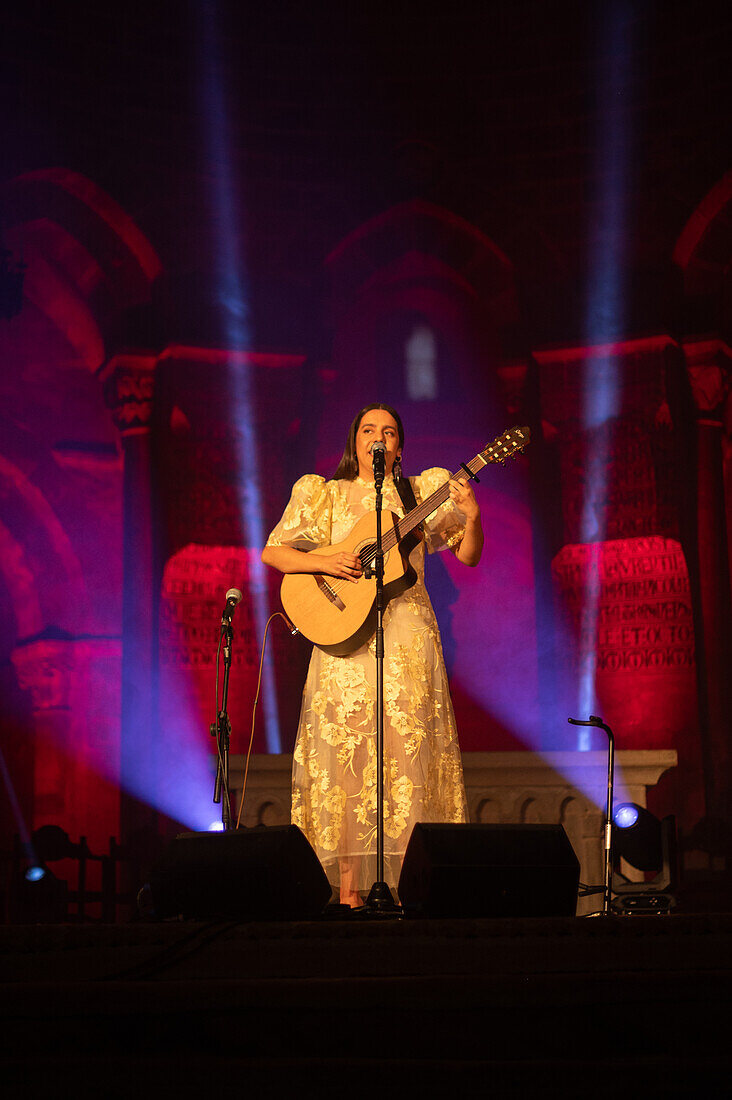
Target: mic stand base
380,901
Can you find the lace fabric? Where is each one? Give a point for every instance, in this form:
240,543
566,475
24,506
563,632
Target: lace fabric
334,766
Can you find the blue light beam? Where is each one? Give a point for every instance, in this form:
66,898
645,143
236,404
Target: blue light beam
233,301
605,313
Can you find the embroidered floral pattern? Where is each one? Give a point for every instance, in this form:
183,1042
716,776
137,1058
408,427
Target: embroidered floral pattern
334,768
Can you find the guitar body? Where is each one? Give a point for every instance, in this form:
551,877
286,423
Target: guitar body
337,615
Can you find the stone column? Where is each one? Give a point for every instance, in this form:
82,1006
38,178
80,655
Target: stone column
75,760
48,670
708,365
129,383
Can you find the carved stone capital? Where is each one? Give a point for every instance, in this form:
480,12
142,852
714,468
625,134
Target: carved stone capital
512,384
709,367
129,381
48,669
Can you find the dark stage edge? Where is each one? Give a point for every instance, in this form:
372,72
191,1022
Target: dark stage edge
565,1007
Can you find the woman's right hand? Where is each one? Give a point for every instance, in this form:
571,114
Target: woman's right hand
341,564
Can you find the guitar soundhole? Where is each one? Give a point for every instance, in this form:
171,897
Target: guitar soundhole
367,554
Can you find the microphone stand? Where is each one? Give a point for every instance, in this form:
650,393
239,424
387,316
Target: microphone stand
607,889
221,728
380,899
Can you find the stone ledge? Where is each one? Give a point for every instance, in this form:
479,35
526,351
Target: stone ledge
567,788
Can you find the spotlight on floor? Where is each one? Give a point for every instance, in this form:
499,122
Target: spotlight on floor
626,815
38,897
648,845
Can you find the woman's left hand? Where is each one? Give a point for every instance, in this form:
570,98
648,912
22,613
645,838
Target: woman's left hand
461,491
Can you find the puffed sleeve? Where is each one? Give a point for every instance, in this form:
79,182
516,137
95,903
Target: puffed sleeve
445,528
306,521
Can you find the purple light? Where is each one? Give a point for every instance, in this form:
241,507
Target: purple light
233,300
625,815
605,308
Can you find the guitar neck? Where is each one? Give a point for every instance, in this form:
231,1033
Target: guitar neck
511,443
428,506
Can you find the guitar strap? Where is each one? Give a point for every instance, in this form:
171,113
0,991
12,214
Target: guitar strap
406,495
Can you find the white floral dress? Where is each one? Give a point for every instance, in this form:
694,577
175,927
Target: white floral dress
334,766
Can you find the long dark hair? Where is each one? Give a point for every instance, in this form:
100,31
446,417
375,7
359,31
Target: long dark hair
348,465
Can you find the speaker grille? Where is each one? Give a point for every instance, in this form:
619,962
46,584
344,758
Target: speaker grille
265,873
489,871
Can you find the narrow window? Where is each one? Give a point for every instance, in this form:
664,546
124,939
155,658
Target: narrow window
420,364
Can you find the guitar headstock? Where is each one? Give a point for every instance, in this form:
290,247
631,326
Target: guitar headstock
508,445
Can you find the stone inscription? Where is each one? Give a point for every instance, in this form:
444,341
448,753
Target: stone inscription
609,478
195,583
644,615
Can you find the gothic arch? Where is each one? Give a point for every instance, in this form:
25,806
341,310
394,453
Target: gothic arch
86,259
38,563
416,273
703,250
419,228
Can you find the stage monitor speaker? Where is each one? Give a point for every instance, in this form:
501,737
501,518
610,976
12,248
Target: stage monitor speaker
264,873
489,871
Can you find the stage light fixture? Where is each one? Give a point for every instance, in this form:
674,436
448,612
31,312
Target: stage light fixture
38,897
648,845
625,815
637,837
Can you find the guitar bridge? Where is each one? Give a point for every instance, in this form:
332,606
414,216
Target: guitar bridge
329,593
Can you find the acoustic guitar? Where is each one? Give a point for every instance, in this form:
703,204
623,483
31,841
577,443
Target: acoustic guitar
339,616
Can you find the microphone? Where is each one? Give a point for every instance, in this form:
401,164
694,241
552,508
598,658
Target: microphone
233,597
378,456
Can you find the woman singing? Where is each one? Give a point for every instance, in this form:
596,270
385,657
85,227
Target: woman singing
334,770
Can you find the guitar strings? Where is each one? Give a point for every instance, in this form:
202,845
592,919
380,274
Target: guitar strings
426,507
432,503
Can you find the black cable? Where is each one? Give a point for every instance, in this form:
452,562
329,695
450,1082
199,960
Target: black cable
183,948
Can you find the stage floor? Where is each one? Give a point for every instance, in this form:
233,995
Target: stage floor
567,1006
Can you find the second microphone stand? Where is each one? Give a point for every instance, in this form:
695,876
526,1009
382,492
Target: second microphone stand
221,728
380,899
608,883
